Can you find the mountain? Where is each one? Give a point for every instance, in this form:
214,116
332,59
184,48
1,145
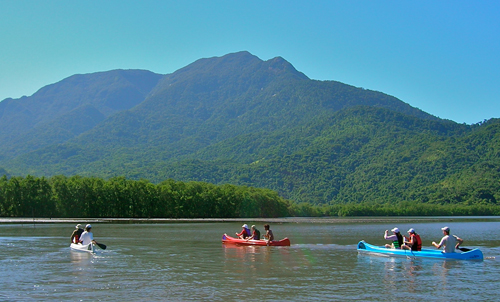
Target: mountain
61,111
238,119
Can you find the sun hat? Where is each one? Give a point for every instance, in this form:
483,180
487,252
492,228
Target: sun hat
447,229
411,230
245,226
395,230
88,226
78,226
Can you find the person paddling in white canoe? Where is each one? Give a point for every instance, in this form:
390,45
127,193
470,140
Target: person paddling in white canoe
75,236
87,237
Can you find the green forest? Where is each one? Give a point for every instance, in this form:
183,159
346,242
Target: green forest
84,197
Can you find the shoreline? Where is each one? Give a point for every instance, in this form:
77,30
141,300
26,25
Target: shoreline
332,220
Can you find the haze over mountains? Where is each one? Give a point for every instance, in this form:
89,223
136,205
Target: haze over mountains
238,119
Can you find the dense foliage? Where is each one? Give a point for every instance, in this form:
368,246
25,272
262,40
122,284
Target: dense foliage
361,155
60,196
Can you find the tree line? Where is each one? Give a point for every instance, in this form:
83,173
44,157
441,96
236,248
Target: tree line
118,197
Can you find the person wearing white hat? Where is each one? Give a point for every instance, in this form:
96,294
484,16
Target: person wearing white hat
245,232
75,236
396,238
414,242
449,242
87,236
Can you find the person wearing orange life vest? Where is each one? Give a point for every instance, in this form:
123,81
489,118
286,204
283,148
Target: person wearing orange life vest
75,236
414,242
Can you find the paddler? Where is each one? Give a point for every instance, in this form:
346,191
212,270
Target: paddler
396,238
450,242
75,236
269,236
245,232
87,236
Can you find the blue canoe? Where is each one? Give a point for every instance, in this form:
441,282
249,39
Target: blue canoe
364,247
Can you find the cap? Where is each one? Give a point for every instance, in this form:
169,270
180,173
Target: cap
78,226
447,229
411,230
88,226
395,230
245,226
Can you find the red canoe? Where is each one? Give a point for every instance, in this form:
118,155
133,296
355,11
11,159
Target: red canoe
230,240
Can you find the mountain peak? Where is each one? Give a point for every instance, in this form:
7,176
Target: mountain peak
280,65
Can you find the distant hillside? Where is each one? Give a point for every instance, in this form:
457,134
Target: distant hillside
237,119
61,111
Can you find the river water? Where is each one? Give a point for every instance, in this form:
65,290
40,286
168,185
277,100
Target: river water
186,261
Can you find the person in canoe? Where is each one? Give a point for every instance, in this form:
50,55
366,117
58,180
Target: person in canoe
245,232
255,234
75,236
269,236
87,236
450,242
396,238
414,242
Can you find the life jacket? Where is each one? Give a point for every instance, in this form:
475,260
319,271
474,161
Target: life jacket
398,243
257,235
418,246
245,233
76,235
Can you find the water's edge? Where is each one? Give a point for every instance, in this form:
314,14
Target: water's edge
371,219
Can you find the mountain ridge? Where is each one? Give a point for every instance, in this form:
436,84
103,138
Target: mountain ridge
241,120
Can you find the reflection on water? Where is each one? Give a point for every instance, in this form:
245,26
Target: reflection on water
78,257
187,261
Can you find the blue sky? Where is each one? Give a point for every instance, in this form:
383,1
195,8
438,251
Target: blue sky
439,56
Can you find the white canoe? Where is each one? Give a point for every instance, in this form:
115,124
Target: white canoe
89,248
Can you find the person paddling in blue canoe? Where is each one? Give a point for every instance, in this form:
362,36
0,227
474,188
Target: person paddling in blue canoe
414,242
396,238
450,242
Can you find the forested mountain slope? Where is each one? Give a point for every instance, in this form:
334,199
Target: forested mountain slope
237,119
63,110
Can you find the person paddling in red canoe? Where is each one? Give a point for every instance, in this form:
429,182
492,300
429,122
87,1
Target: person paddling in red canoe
245,232
255,234
269,236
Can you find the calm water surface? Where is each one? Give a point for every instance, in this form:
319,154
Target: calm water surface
186,261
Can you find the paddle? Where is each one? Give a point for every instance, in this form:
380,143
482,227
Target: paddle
102,246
